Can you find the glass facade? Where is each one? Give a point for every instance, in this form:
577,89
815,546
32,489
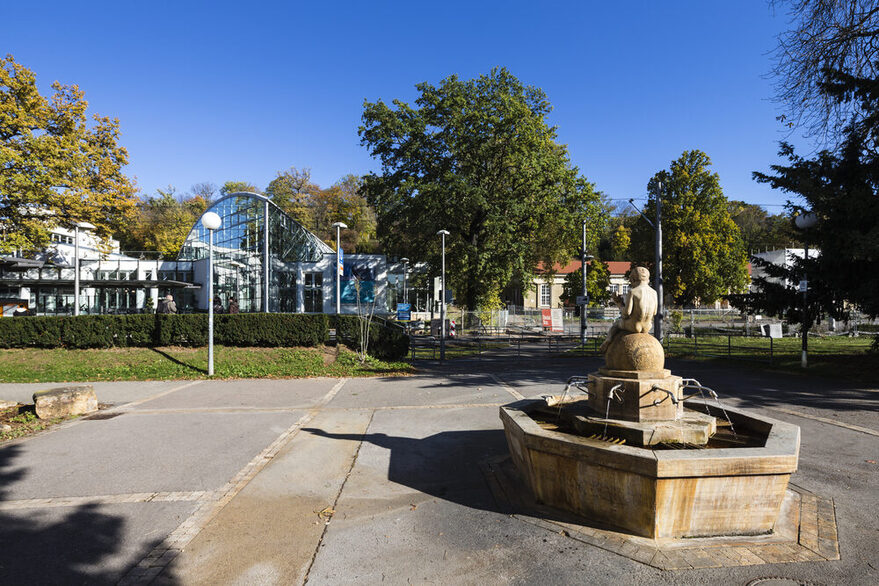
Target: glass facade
251,264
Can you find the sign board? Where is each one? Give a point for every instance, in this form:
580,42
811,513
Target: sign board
340,267
804,286
771,330
581,300
546,318
557,323
404,311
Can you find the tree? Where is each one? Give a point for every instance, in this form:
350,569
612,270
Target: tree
293,191
760,229
163,222
236,186
318,209
597,283
703,255
840,187
478,158
827,36
56,168
205,190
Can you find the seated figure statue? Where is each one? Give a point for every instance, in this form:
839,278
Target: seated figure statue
636,311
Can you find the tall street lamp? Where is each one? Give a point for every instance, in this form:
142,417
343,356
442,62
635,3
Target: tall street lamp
211,222
76,227
405,262
340,267
584,258
443,234
805,222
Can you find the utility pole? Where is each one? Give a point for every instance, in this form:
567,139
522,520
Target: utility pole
660,306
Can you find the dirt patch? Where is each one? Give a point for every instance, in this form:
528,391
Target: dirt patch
20,420
329,354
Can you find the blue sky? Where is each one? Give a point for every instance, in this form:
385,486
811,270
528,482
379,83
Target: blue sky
219,91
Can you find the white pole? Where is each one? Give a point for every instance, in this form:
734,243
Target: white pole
76,269
443,233
338,277
211,303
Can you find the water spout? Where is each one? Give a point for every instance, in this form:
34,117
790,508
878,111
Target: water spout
615,393
691,383
671,396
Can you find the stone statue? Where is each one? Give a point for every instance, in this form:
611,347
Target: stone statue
637,310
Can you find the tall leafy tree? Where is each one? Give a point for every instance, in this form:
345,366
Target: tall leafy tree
476,157
293,191
703,255
597,283
56,167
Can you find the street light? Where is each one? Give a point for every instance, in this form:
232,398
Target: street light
443,234
805,222
584,258
211,222
405,262
76,227
340,267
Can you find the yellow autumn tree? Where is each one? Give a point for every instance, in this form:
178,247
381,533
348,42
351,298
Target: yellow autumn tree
56,166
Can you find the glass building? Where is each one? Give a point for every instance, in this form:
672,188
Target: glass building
258,250
263,259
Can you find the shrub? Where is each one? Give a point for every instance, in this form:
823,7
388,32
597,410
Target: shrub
105,331
385,341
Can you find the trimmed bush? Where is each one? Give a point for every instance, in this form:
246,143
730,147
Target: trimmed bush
105,331
386,342
270,329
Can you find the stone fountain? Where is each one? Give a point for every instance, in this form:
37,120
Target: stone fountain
626,452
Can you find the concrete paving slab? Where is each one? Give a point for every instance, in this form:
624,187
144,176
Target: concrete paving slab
450,389
140,453
246,393
269,532
115,392
417,510
90,544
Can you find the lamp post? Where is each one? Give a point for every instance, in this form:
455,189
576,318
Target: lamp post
339,265
443,234
76,227
405,262
805,222
584,258
211,222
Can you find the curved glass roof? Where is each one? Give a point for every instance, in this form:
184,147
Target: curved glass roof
259,273
242,230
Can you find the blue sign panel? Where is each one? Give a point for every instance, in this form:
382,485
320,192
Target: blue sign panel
365,279
404,311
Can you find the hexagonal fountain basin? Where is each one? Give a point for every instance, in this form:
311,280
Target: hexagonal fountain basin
658,493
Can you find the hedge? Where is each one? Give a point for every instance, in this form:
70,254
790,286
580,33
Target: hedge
106,331
385,341
243,329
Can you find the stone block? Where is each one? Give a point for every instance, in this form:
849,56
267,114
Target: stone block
636,398
65,401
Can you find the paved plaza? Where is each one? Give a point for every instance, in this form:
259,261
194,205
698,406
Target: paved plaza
374,481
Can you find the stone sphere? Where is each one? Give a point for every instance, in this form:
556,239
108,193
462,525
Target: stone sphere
635,352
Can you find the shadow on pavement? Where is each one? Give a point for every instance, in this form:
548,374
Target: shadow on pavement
41,547
753,386
445,465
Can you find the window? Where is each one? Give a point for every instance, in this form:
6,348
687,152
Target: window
314,293
545,295
625,290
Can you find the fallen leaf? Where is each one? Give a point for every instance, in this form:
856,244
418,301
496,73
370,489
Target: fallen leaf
870,461
414,506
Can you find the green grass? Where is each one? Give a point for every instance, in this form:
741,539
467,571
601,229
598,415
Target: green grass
60,365
834,356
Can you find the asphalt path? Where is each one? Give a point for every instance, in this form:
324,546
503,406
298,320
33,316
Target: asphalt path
372,480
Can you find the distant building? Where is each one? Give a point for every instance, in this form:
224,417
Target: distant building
546,292
263,259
